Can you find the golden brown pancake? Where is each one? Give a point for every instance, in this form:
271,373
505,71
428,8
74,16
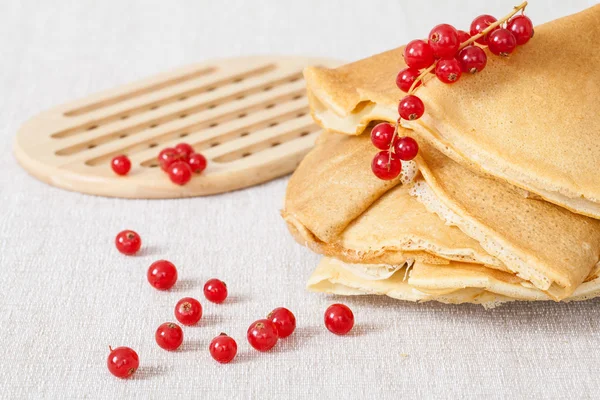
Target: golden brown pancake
335,209
544,244
455,284
547,245
530,119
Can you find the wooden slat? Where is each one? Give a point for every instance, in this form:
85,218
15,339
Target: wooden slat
197,126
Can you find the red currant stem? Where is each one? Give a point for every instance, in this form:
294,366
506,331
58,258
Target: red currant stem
422,75
491,27
394,136
516,9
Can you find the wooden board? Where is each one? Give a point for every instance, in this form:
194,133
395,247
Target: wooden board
248,116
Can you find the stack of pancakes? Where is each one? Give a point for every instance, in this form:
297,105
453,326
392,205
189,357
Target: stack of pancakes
501,204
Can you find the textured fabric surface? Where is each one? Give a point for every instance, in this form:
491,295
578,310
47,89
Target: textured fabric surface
66,294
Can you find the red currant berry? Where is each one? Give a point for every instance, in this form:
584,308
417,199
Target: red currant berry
188,311
418,54
522,27
411,107
180,172
185,150
339,319
223,348
121,165
382,134
502,42
406,78
197,162
444,41
162,275
169,336
167,157
472,59
262,335
386,167
463,36
284,321
122,362
406,148
448,70
215,291
479,24
128,242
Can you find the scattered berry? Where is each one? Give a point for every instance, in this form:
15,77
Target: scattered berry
162,275
197,162
128,242
167,157
479,24
185,150
472,59
411,107
215,290
223,348
122,362
463,36
180,172
521,27
444,41
406,148
448,70
262,335
386,167
418,54
406,77
339,319
502,42
121,165
284,321
169,336
188,311
382,135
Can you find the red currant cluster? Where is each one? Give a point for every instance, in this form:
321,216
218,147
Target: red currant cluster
180,162
448,53
262,334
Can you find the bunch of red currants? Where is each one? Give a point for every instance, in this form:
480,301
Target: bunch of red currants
447,53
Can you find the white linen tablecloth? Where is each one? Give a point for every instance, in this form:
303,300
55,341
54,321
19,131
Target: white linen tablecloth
66,294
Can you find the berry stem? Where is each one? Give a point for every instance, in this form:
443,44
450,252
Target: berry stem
502,20
394,136
516,9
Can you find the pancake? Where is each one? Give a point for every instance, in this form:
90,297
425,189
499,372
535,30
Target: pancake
337,210
455,283
540,242
530,119
548,246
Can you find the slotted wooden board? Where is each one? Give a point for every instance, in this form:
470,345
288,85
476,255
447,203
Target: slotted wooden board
248,116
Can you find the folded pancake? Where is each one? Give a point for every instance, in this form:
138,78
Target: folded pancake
333,207
547,245
455,283
530,119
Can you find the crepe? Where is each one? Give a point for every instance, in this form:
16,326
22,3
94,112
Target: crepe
455,283
335,206
530,119
548,246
